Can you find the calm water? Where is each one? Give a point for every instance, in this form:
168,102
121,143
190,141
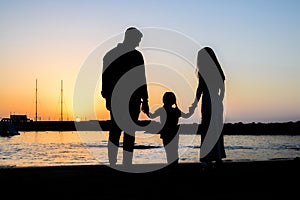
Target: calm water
80,148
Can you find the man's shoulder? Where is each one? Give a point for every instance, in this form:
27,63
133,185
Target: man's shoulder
137,55
111,52
119,50
137,52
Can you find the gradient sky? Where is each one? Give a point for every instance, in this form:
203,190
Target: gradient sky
257,43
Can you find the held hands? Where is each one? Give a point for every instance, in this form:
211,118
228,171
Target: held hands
193,107
145,107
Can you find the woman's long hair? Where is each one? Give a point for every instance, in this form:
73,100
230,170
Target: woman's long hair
214,58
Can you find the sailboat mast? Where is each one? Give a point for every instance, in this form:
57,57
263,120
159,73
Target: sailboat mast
61,101
36,115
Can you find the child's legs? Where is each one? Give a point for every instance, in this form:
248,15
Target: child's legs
171,148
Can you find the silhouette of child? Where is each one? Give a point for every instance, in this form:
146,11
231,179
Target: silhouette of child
169,115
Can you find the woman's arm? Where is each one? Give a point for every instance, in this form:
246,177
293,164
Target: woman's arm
222,91
199,92
200,88
187,115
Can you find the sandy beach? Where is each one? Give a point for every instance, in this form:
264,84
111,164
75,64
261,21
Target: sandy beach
234,180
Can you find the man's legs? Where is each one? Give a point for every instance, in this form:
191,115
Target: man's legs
129,138
128,146
113,142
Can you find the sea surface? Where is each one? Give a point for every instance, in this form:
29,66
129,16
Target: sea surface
87,148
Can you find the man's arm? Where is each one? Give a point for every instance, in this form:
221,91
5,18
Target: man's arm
155,114
144,88
106,83
104,79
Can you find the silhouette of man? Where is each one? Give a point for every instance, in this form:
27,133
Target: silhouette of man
118,65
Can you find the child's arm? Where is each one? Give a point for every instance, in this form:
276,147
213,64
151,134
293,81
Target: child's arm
155,114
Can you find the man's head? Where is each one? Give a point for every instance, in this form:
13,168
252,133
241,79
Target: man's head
132,37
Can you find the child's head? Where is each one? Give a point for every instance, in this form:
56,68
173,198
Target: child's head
169,99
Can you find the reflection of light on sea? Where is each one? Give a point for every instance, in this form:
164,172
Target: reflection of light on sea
66,148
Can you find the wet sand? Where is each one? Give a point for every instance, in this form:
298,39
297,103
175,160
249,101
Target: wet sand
233,180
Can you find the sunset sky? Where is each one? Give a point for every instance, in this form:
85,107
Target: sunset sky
257,43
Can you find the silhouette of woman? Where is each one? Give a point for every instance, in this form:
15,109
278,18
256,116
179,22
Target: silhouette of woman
211,87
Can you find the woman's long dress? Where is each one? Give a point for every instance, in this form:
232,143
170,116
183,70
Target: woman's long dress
218,151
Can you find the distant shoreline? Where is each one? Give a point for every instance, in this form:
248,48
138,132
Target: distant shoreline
277,128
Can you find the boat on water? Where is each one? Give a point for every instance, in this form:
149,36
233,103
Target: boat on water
8,125
8,129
